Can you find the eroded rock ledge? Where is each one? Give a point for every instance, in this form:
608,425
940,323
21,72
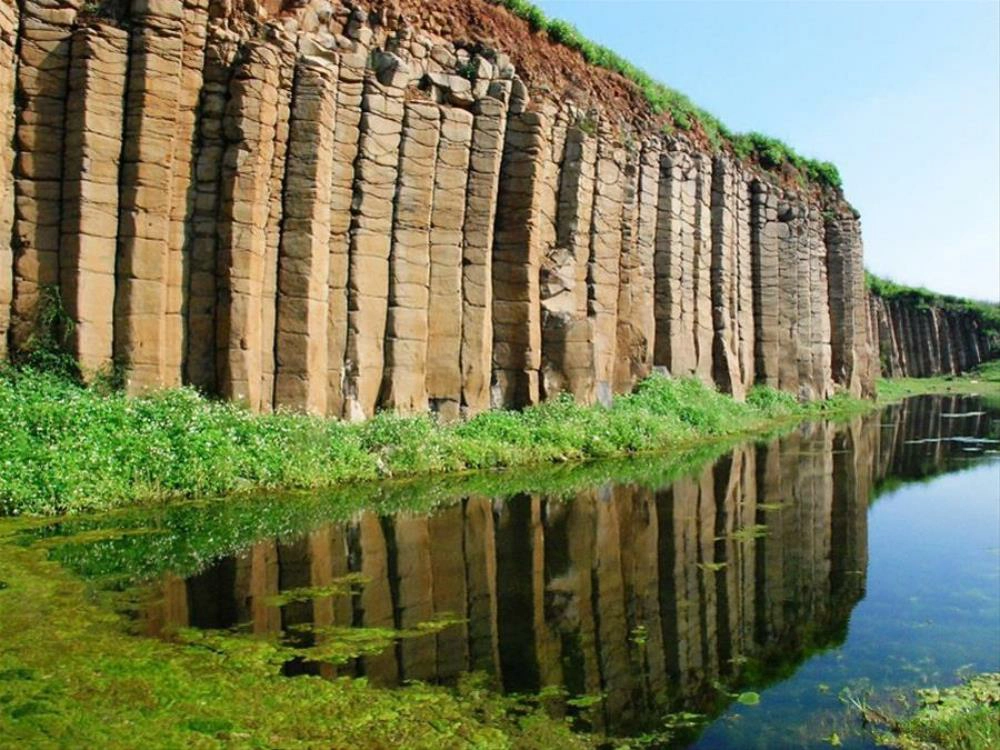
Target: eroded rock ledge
331,209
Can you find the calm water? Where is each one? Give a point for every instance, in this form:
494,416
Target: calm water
861,557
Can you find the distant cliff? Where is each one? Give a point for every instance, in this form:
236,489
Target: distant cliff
411,206
917,333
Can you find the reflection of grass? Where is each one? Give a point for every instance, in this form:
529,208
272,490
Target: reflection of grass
71,677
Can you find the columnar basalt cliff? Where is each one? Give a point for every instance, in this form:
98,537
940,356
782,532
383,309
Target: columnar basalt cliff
914,338
411,206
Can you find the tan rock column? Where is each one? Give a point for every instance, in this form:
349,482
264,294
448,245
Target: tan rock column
481,579
446,532
202,287
767,301
636,317
43,49
819,294
347,133
517,249
725,278
444,336
791,254
845,273
151,112
371,234
93,147
9,29
286,52
404,383
701,273
567,346
745,284
414,586
304,259
182,192
604,264
251,115
477,283
675,262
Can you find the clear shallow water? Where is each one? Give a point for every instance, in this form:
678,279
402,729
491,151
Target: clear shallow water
862,556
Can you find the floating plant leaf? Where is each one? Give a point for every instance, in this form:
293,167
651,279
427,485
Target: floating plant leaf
749,698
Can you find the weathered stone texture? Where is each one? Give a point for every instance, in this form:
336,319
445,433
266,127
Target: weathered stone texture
44,40
371,235
404,384
9,20
94,116
151,113
517,249
444,335
304,259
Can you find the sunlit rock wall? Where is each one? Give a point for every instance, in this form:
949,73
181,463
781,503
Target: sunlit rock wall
319,208
918,340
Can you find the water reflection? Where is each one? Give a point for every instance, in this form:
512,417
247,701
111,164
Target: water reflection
653,598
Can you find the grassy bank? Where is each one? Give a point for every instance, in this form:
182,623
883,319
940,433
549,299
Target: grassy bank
983,381
963,717
69,448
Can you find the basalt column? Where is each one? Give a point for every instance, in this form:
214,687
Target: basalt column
203,238
404,386
848,328
151,123
304,259
477,283
371,234
730,247
603,272
94,111
43,54
636,317
567,347
444,335
350,88
517,251
8,80
766,298
251,114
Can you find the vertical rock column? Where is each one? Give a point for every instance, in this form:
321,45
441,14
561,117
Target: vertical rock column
202,292
744,284
704,334
347,131
404,384
603,271
636,319
8,80
183,188
791,255
477,283
676,245
766,299
304,259
567,348
42,70
94,116
250,118
516,263
725,277
371,234
819,294
845,275
444,335
286,53
151,111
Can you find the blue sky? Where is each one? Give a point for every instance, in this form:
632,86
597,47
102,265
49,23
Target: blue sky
904,97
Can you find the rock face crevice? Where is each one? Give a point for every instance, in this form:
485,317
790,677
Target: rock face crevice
918,340
333,209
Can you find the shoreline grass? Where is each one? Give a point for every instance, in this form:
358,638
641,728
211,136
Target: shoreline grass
70,448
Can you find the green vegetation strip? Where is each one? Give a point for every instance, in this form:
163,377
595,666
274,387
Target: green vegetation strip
70,448
770,153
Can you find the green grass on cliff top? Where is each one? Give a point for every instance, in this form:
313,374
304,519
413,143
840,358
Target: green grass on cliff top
70,448
988,313
770,153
